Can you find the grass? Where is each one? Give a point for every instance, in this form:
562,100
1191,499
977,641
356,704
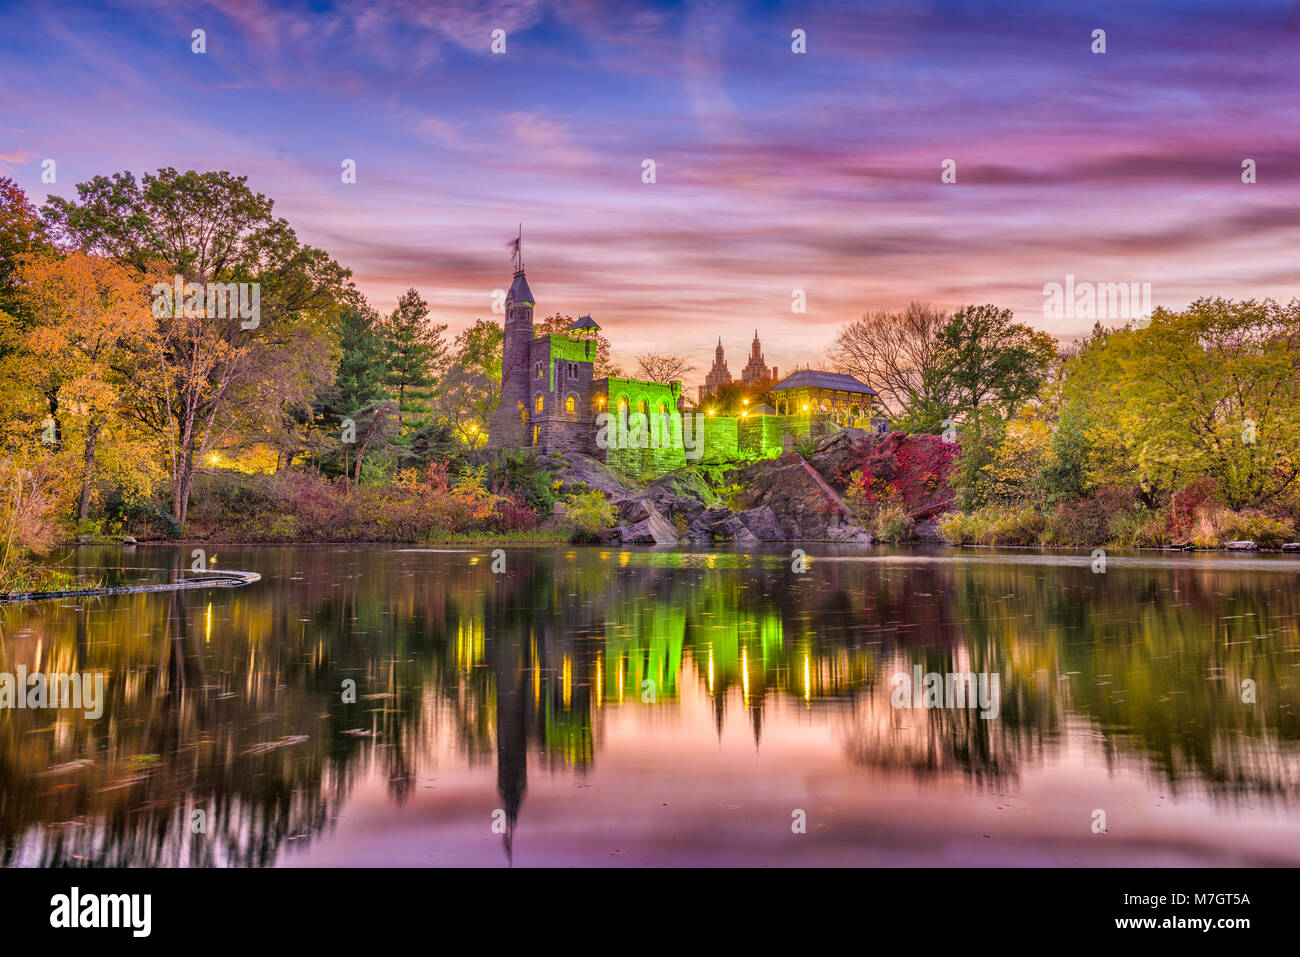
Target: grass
530,536
23,578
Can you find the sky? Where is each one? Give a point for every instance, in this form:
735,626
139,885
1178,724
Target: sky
775,171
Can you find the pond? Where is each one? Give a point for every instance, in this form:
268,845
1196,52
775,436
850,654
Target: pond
621,707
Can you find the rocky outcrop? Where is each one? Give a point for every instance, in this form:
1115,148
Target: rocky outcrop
798,501
785,500
788,499
577,468
643,524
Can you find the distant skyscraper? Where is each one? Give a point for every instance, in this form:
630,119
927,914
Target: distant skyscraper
756,371
718,376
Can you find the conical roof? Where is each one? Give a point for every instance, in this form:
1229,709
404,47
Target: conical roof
519,291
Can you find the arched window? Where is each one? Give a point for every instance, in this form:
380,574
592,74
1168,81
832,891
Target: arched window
855,412
523,413
571,402
539,370
663,408
642,407
622,405
537,434
537,402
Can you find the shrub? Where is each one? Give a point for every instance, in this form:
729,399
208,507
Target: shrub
892,524
589,515
994,526
1099,520
1257,527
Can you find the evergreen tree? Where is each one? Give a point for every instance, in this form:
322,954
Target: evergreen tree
362,371
414,351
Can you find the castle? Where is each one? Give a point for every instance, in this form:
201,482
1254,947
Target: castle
552,401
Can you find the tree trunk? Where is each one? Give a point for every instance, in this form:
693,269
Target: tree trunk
88,473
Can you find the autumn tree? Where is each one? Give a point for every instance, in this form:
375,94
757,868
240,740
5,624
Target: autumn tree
1210,391
90,315
211,378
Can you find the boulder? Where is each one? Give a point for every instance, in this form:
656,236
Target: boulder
643,524
1242,546
720,524
762,524
1291,547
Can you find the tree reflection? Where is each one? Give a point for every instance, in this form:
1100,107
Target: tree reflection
232,703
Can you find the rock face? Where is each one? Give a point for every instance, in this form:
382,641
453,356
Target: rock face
576,467
643,523
785,499
798,502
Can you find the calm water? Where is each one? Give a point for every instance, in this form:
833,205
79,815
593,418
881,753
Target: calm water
632,707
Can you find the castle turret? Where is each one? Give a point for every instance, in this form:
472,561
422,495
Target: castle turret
510,421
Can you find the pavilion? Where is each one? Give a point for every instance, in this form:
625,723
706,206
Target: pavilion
843,398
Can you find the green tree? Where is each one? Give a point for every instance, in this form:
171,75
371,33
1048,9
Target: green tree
414,350
471,388
1210,391
21,233
361,371
988,359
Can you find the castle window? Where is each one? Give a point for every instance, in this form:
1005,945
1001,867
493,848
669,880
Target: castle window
539,370
537,434
622,405
537,403
571,403
523,413
642,407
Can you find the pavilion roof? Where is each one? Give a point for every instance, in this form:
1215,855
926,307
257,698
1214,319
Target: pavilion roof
816,379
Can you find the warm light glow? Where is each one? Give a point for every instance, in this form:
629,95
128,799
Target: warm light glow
744,673
710,411
746,402
805,406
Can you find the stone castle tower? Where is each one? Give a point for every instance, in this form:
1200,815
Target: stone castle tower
509,427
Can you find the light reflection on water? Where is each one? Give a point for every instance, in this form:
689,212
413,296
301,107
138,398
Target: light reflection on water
607,706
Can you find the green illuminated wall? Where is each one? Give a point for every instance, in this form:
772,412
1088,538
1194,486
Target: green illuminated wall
569,349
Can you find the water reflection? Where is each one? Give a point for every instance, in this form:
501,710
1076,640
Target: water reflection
230,706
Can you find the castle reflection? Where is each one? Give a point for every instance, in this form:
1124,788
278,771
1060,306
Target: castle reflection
229,735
